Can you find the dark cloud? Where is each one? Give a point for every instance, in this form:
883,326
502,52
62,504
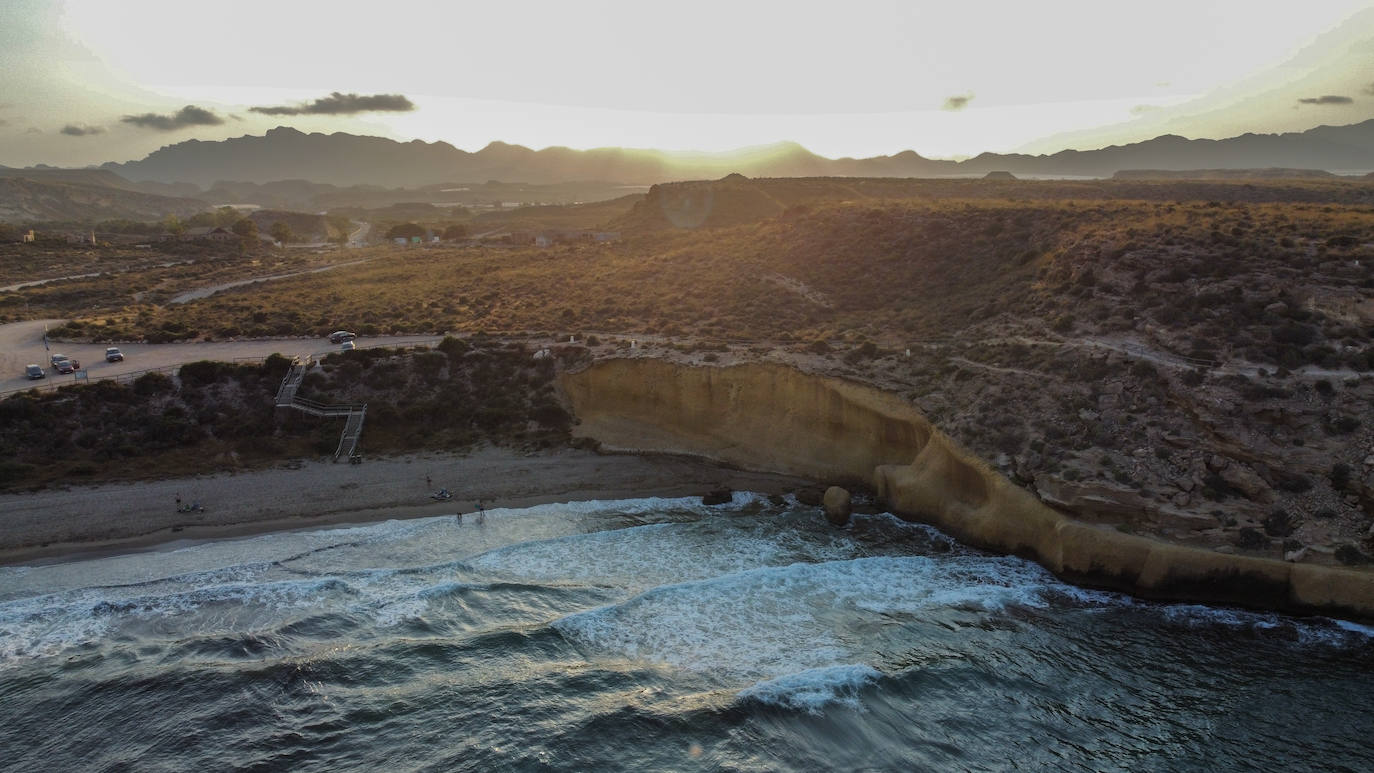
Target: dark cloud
343,104
81,130
1368,90
957,102
186,116
1326,99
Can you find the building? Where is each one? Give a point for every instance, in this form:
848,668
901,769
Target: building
208,234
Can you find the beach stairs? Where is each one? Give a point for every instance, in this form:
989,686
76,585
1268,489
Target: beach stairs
353,413
348,440
291,382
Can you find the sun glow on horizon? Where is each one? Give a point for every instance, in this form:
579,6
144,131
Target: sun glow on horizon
876,78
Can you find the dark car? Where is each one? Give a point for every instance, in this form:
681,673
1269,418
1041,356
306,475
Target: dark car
339,336
112,354
34,372
65,365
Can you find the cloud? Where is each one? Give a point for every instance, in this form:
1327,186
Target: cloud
957,102
1368,90
81,130
33,130
186,116
343,104
3,122
1143,109
1326,99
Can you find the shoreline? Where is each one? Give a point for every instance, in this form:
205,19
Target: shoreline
85,522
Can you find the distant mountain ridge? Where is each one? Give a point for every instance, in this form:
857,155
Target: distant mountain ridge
345,159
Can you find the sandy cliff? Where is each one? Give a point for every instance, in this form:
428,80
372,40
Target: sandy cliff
775,418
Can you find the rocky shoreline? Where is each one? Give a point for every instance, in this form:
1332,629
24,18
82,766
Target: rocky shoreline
774,417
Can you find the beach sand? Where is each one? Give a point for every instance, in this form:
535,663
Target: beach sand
84,521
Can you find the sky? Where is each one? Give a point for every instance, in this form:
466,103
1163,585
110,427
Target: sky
88,81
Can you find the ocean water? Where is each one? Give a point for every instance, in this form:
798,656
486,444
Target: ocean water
651,635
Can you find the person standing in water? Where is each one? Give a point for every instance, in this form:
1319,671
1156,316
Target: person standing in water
481,513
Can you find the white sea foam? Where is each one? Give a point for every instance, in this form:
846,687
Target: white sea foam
642,557
45,625
814,688
776,621
1362,630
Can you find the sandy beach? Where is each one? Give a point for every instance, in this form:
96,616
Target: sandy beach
113,518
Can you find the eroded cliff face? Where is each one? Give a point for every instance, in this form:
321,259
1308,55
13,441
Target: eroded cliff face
775,418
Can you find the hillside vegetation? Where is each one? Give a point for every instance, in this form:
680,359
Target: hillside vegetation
215,416
1281,284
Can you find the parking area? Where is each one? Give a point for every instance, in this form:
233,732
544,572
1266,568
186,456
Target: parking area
21,343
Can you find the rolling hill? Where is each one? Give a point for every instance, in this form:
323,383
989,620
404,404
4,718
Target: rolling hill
82,195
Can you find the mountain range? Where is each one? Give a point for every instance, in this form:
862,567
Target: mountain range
345,159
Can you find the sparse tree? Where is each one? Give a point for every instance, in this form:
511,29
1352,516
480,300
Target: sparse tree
281,232
456,231
406,231
172,225
245,228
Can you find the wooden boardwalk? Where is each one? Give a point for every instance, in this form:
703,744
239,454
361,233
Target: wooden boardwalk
354,413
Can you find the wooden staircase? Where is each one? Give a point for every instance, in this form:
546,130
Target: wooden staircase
354,413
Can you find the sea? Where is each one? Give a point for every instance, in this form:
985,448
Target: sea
651,635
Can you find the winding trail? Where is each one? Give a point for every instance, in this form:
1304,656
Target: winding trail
206,292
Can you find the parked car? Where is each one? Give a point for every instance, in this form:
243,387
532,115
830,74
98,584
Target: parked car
112,354
339,336
34,372
64,364
348,346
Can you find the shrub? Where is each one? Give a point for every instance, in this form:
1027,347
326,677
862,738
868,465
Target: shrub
1350,555
1341,424
1251,539
152,384
203,373
1278,524
1294,333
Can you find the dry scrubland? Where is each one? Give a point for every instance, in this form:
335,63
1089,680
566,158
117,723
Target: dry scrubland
1187,359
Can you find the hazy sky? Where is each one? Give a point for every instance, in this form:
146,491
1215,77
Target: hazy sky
86,81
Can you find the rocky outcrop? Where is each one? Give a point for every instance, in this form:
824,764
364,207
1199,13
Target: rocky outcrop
838,507
775,418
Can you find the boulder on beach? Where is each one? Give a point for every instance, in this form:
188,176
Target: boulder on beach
837,506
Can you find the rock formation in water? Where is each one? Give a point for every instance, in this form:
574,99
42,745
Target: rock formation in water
772,417
837,506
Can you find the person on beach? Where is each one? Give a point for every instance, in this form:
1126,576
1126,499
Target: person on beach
178,502
429,484
481,513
